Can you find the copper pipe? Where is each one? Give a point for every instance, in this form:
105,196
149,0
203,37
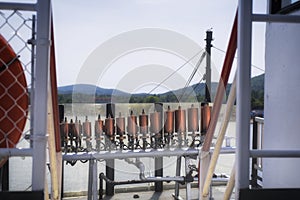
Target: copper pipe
71,128
77,128
168,127
155,122
143,122
132,125
193,119
120,125
169,121
71,132
65,126
180,126
64,131
87,129
77,133
80,128
98,128
205,117
180,120
110,127
156,126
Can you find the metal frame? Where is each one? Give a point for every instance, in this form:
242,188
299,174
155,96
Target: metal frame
94,156
275,153
17,6
243,94
245,19
137,154
41,85
276,18
16,152
43,42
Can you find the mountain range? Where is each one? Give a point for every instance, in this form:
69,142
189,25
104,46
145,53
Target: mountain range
89,89
91,93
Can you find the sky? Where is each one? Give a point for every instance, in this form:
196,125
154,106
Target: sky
103,33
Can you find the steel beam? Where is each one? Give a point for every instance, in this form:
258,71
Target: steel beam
158,161
10,152
208,40
90,180
276,18
275,153
243,95
110,163
41,88
17,6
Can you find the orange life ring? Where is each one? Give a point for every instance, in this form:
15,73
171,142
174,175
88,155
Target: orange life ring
14,98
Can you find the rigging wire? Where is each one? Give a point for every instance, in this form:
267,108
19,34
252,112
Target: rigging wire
193,74
193,89
236,58
189,60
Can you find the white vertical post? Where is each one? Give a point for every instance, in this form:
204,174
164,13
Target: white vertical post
40,98
95,181
188,184
243,94
91,182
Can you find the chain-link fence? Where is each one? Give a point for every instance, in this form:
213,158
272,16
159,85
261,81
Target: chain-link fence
17,32
16,61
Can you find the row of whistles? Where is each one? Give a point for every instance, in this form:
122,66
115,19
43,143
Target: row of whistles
170,129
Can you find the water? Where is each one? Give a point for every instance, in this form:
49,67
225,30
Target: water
76,177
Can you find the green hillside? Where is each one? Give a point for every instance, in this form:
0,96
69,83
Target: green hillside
257,93
194,93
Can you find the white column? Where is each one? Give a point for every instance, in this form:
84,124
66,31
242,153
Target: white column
243,94
282,104
40,98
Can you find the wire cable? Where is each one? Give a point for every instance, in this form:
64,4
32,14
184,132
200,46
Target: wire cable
236,58
193,90
193,74
175,71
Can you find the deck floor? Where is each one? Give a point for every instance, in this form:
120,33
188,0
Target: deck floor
151,195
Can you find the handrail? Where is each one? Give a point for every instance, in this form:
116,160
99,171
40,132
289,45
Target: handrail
138,154
16,152
17,6
276,18
275,153
260,120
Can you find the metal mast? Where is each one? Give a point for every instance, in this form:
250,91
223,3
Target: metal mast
208,65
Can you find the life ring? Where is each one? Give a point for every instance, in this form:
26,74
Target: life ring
14,98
